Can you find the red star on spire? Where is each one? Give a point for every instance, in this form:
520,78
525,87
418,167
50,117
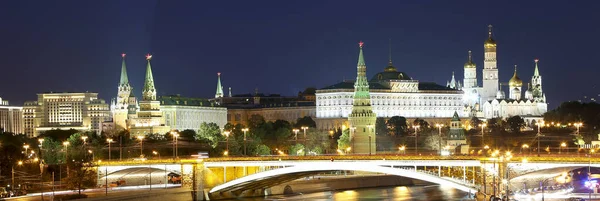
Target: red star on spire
360,44
148,56
123,55
536,60
219,73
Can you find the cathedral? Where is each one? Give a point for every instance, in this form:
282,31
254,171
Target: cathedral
489,100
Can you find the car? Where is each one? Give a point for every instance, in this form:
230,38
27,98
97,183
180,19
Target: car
3,192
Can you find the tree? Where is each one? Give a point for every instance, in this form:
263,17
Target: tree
515,123
297,150
81,175
262,150
421,123
187,134
432,141
306,121
496,124
475,122
52,151
316,141
209,132
344,141
255,121
397,125
381,127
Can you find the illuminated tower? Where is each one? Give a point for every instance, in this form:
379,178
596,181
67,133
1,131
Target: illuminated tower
490,68
536,84
515,84
362,118
120,105
470,76
219,93
149,117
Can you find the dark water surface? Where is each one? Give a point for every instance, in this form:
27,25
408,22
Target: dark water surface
433,192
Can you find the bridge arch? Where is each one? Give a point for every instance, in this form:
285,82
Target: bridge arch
304,169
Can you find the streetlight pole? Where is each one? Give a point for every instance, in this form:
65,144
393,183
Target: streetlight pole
141,138
156,153
369,145
370,127
539,135
440,134
352,133
295,134
246,130
175,144
109,140
416,127
227,139
482,134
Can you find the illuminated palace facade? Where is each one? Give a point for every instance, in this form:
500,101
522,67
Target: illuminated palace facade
395,93
392,93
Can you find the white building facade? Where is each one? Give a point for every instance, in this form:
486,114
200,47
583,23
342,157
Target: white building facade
11,118
182,113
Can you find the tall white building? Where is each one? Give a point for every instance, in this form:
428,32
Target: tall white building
11,118
79,111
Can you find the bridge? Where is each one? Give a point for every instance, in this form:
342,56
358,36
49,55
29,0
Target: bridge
228,177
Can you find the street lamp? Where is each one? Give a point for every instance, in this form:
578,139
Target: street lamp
304,129
524,146
352,133
402,149
416,127
175,145
482,133
562,146
348,149
295,134
227,141
578,125
539,135
66,144
439,126
246,130
26,146
370,127
91,152
141,138
109,140
156,153
84,138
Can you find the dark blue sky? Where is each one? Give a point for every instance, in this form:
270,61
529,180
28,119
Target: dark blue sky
285,46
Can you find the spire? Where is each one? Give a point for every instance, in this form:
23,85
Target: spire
390,67
536,72
124,79
149,92
219,93
361,60
490,41
230,92
515,81
490,31
453,81
455,116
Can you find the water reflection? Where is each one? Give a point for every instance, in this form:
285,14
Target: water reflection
399,193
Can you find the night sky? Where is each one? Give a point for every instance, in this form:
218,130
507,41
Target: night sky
285,46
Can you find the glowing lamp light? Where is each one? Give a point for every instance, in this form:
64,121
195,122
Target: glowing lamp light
445,153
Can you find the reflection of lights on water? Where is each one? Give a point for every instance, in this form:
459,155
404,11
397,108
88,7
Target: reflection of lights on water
346,195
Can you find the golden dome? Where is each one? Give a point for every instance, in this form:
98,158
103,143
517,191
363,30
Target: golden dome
515,81
490,41
470,63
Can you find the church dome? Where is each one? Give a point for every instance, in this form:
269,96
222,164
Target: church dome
490,41
515,81
390,68
470,63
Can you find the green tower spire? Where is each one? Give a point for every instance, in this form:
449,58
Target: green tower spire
536,72
219,93
124,79
149,92
362,119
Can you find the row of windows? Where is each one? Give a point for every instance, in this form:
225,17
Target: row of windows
384,102
396,97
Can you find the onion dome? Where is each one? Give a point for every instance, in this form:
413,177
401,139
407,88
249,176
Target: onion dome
529,92
470,63
515,81
500,94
